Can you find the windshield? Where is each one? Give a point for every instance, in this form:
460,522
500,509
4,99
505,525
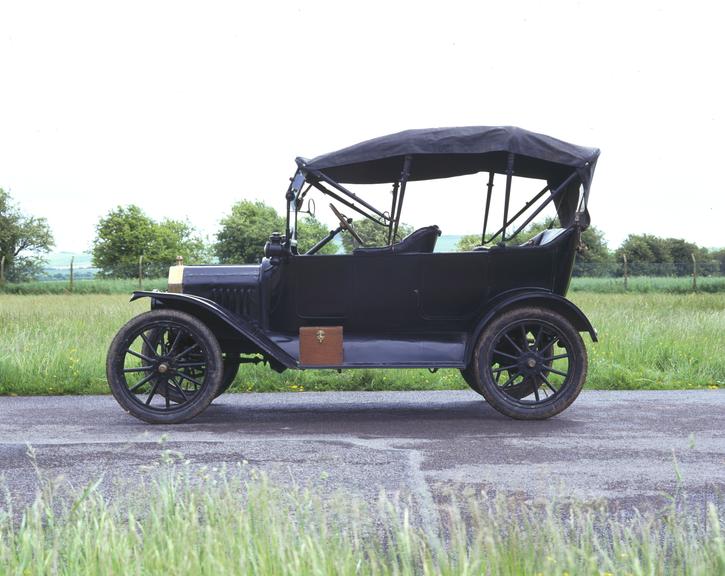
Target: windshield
295,196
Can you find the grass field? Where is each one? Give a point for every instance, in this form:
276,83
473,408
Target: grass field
56,344
649,285
234,522
636,284
96,286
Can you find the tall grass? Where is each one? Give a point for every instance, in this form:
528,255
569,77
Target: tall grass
94,286
636,284
185,522
57,345
655,341
649,284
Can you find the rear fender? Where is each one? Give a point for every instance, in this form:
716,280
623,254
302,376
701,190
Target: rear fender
222,323
539,298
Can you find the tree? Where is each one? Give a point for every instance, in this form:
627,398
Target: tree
244,232
372,234
594,259
719,257
647,255
126,233
23,241
174,238
468,242
682,252
309,232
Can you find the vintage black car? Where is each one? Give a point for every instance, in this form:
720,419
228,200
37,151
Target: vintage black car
497,312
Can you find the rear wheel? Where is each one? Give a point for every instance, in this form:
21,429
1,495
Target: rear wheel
530,363
469,375
519,390
164,366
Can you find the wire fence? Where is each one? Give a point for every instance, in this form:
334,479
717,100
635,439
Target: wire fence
622,268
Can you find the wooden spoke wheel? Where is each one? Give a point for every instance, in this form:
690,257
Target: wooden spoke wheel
159,341
530,363
164,366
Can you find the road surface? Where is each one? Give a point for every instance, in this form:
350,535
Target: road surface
614,446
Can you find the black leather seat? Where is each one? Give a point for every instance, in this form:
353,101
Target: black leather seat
422,240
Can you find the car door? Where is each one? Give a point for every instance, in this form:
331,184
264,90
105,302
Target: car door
454,288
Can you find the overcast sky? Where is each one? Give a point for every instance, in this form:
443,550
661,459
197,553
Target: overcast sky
186,107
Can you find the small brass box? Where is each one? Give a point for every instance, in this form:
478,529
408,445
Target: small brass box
321,345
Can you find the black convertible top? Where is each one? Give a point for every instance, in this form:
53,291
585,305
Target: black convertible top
447,152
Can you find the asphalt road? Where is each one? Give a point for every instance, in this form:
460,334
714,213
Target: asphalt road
614,446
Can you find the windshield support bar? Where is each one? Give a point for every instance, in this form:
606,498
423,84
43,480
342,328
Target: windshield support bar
340,188
544,190
488,205
326,240
509,177
392,211
347,203
403,182
301,197
553,195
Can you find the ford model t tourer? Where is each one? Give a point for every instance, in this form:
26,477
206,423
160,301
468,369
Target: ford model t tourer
496,312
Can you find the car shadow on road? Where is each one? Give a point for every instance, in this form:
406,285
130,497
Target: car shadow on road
406,418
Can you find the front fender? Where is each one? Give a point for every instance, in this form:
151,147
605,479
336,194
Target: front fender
208,310
541,298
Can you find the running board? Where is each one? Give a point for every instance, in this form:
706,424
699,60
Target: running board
367,351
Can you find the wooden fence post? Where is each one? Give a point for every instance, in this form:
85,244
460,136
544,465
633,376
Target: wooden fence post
2,270
140,271
694,272
624,257
71,272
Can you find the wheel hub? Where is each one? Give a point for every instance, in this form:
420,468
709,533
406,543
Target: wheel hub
530,363
163,368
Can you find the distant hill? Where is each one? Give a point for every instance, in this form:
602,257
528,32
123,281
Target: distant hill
447,242
58,266
62,259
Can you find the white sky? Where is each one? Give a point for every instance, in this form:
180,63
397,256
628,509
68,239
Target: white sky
185,107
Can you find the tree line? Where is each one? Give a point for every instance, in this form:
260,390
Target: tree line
126,234
646,254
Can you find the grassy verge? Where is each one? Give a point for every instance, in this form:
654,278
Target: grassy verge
636,285
96,286
190,523
648,284
57,345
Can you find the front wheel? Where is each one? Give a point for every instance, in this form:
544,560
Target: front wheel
231,367
530,363
164,367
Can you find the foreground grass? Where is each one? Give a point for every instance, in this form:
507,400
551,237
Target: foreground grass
192,522
57,345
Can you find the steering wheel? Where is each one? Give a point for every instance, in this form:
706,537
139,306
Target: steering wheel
346,224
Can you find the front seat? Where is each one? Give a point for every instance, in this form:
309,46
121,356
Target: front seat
422,240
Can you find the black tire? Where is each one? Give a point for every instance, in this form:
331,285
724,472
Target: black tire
147,357
539,380
231,367
229,373
518,391
469,375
